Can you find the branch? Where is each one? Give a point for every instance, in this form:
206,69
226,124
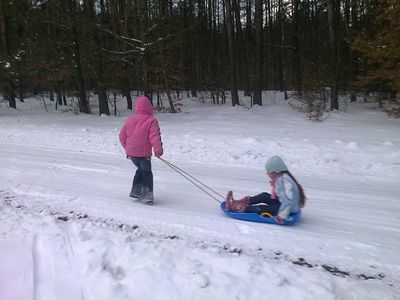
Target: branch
140,50
120,37
280,46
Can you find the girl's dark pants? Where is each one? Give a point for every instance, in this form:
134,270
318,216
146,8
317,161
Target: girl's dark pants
142,185
263,203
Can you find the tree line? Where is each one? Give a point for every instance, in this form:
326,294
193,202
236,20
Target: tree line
71,47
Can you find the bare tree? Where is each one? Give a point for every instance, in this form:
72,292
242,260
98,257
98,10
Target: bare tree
97,56
333,53
76,56
232,53
9,85
258,52
297,58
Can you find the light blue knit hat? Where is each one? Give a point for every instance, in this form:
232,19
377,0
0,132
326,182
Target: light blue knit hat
275,164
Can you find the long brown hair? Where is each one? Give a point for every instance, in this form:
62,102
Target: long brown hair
303,197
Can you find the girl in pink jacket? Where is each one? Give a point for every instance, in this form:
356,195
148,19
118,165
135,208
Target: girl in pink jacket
139,135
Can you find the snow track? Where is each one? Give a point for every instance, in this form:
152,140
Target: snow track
97,184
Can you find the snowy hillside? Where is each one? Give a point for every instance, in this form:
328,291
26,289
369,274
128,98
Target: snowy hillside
68,229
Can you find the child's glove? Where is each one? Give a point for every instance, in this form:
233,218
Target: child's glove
158,153
279,219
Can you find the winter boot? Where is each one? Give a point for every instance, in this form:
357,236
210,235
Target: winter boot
148,201
229,201
132,195
135,191
240,205
147,196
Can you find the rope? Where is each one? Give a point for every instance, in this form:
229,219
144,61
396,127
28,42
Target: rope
192,180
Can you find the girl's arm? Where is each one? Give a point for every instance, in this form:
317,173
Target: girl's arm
155,138
285,194
122,136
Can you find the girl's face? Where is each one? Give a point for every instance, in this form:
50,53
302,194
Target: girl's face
272,175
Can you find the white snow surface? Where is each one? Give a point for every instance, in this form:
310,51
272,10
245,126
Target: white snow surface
68,229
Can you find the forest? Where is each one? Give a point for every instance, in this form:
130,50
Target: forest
316,49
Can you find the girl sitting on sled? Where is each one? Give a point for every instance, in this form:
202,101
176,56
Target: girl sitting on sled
287,195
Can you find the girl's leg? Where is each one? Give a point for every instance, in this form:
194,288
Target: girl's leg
137,179
260,208
147,178
263,198
263,203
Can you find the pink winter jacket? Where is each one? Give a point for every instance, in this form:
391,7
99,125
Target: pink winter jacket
141,132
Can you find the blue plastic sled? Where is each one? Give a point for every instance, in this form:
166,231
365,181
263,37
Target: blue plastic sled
253,217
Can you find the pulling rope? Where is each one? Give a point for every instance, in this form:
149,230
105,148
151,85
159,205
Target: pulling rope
190,178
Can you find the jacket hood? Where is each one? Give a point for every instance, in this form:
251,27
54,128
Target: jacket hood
275,164
143,106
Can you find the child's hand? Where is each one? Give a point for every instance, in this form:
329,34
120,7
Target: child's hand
279,219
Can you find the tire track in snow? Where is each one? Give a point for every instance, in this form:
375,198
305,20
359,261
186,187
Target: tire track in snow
50,271
56,260
43,270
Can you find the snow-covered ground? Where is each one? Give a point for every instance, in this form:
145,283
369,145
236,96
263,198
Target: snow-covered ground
68,229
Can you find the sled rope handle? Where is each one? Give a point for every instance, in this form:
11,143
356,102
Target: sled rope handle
192,180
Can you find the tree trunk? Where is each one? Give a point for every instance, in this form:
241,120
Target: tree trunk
282,65
268,55
83,103
21,91
9,85
3,26
258,54
76,56
232,55
124,18
243,75
98,63
103,100
59,95
297,58
333,54
11,95
65,98
193,60
127,94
